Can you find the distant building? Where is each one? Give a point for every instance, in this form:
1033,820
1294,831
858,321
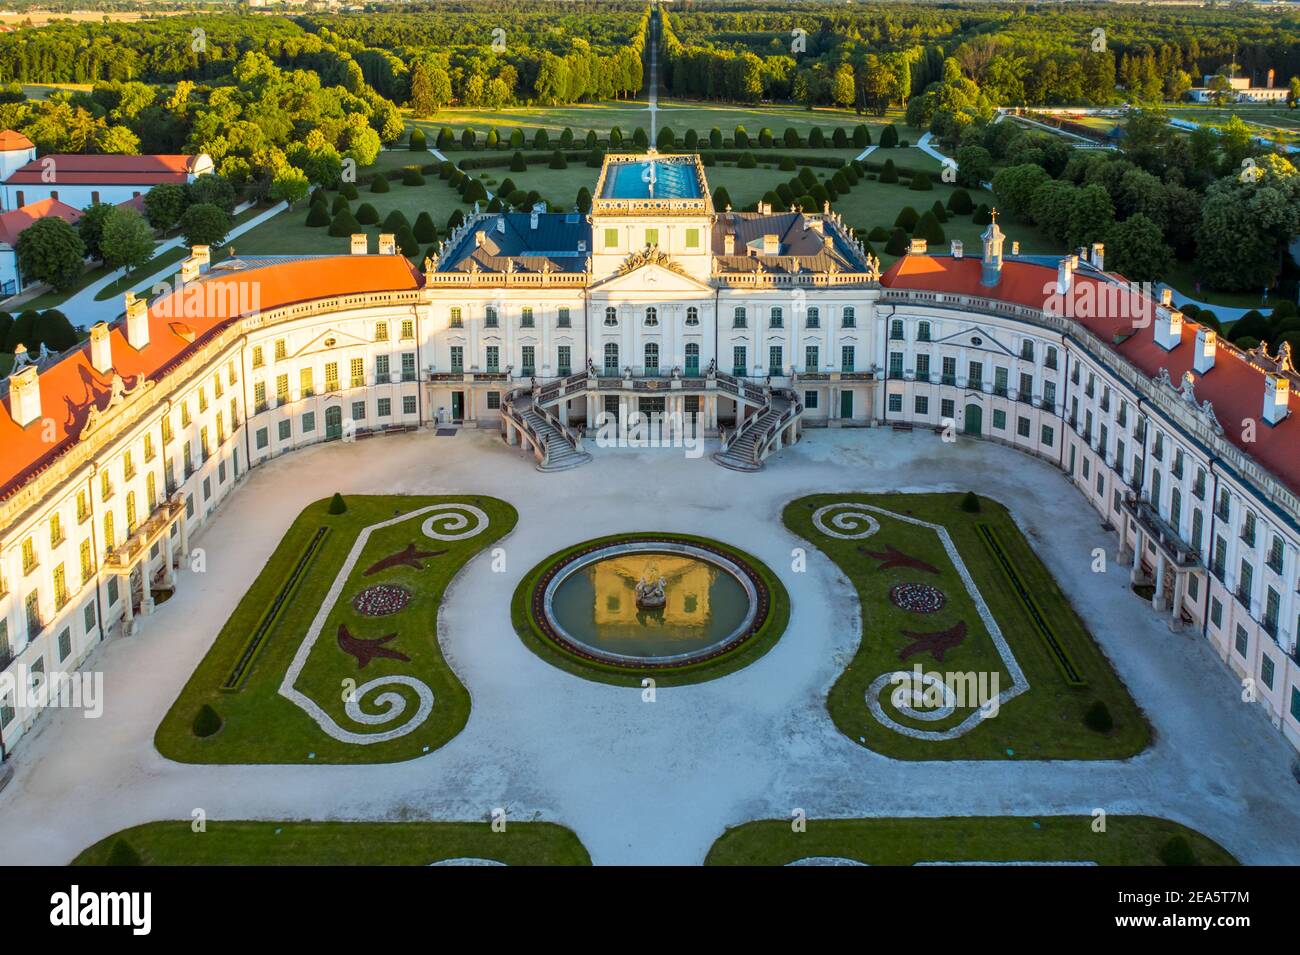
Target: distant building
12,224
81,180
1241,90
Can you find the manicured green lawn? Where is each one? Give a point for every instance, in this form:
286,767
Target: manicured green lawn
1128,840
1045,722
741,657
260,725
288,233
343,843
1184,276
681,115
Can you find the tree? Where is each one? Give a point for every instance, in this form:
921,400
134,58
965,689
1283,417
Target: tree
418,143
974,165
1247,221
421,99
91,227
1091,217
1136,249
1014,187
50,251
213,190
164,203
366,214
889,137
843,88
205,224
127,240
290,185
583,201
928,228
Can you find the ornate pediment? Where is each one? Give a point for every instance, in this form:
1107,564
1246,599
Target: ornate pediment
328,339
120,397
650,255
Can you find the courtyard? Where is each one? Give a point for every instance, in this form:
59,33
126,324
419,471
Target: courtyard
643,778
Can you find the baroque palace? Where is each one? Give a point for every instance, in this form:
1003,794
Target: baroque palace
746,327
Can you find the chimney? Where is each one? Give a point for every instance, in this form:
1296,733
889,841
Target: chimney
771,244
957,251
1277,390
729,244
1065,275
1167,297
24,396
501,225
1207,342
201,254
1015,247
137,321
918,247
189,270
1099,256
387,243
360,243
101,350
532,220
1169,328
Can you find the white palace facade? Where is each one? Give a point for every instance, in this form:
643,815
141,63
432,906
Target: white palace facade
748,326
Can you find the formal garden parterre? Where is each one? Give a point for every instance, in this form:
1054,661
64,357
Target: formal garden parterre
333,655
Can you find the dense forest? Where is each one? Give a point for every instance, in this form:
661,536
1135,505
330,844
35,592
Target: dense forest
1035,54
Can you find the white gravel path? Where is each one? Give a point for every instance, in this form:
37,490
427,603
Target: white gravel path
653,782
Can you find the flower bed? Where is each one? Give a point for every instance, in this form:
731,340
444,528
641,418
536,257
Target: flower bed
381,600
917,598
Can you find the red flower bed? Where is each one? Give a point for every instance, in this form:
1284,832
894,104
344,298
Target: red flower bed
917,598
381,600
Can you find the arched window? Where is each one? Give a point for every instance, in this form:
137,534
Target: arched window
739,318
611,358
923,332
778,318
651,317
850,319
651,358
611,316
692,315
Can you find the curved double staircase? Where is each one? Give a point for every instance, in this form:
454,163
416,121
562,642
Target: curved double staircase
555,446
763,433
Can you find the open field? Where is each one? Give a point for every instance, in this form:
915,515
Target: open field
342,843
1127,840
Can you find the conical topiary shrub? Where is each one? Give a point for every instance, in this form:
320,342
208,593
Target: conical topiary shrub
983,215
1177,851
318,216
206,722
888,173
928,228
379,184
419,143
970,503
1098,718
920,182
348,191
345,223
367,214
395,220
340,203
407,242
907,218
424,229
558,161
959,203
123,854
412,177
897,243
518,163
337,504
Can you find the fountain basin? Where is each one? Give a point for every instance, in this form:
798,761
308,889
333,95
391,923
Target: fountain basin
586,602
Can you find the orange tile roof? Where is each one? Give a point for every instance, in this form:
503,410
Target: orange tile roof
71,386
13,223
10,140
75,169
1234,386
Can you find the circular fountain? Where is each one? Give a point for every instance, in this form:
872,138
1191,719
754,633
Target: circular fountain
650,602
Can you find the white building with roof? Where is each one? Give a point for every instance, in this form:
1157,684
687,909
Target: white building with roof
747,326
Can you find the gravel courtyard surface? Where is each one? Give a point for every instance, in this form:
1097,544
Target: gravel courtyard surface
654,782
